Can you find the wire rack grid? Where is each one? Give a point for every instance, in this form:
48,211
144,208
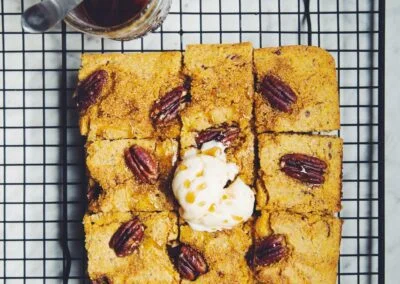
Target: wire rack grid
42,189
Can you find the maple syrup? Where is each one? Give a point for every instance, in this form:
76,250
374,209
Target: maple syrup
118,19
108,13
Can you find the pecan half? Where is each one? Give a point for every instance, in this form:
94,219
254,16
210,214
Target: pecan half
127,238
101,280
277,93
270,250
304,168
88,91
167,108
191,263
225,134
143,165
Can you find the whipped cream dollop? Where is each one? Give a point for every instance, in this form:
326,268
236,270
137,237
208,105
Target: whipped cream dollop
200,186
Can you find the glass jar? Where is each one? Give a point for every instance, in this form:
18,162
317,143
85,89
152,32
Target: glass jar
149,19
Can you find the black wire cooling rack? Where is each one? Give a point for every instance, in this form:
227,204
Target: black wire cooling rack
42,190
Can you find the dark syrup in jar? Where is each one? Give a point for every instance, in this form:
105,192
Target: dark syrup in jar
108,13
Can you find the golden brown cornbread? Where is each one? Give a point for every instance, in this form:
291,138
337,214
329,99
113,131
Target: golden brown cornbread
222,91
222,85
135,82
313,242
310,72
120,188
150,263
276,190
224,252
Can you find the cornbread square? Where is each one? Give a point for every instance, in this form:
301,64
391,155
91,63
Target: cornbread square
313,247
277,190
222,92
150,263
135,82
120,188
221,86
224,251
310,72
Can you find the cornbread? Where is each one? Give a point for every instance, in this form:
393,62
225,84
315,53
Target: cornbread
135,82
120,189
140,111
312,242
149,263
310,72
278,191
222,92
224,252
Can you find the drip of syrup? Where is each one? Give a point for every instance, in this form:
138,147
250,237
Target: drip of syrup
108,13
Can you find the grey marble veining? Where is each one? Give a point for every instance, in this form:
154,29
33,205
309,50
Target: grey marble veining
392,142
44,92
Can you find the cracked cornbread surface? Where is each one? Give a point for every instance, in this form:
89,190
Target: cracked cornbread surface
222,95
135,82
120,188
149,263
224,251
310,73
222,92
313,243
276,190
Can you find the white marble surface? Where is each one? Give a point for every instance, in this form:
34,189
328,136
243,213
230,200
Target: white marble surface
35,79
392,151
